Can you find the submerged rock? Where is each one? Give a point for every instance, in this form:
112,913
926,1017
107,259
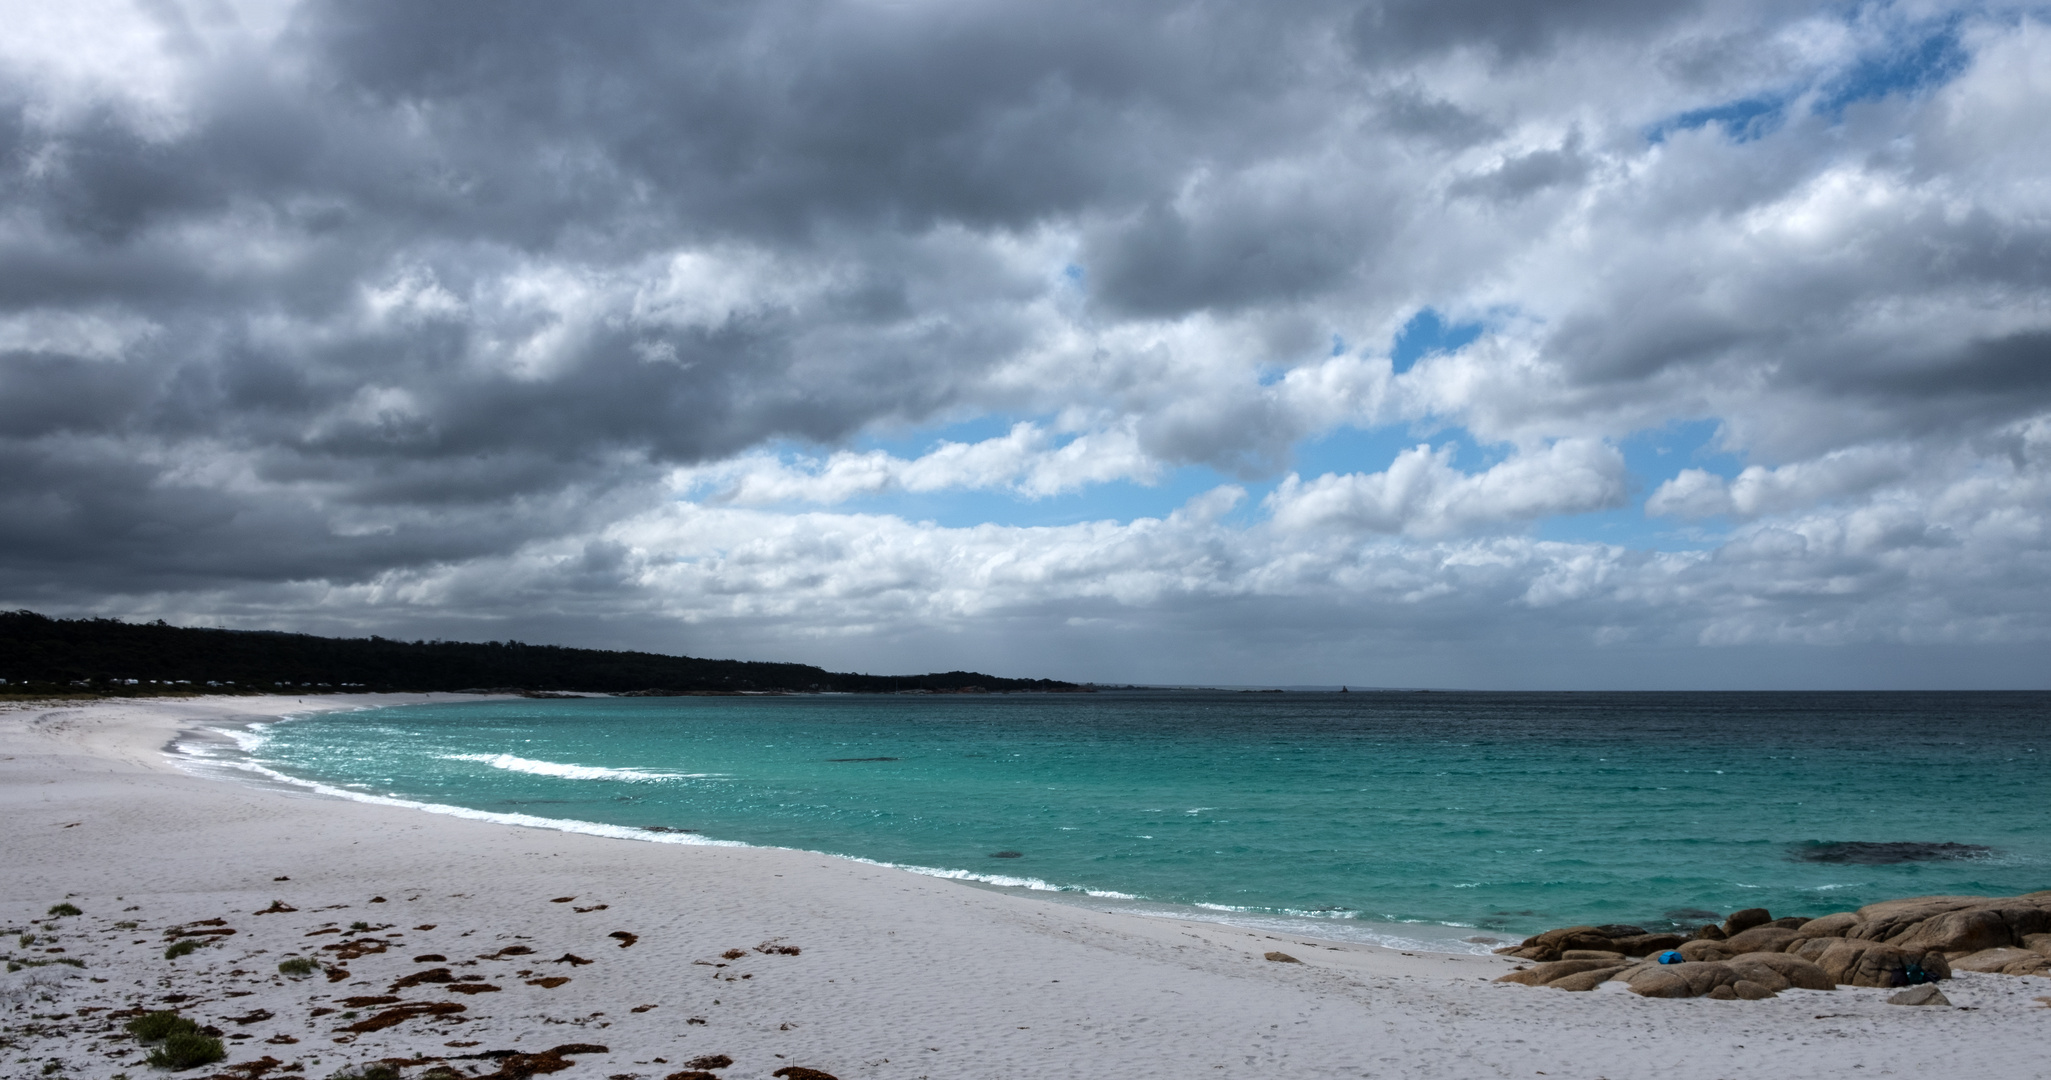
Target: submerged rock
1868,854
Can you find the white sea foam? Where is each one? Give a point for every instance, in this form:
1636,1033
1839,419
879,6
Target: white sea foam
1334,926
1004,880
571,772
211,763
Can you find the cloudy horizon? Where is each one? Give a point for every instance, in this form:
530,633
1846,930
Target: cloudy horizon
1384,342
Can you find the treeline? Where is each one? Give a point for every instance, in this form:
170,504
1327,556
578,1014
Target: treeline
111,656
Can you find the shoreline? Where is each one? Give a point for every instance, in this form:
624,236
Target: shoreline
899,974
1389,935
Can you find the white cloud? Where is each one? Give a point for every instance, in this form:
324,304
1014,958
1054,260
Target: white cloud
1758,490
1028,461
1422,494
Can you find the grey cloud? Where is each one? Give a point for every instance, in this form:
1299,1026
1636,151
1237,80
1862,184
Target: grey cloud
776,117
1526,174
1399,29
1409,111
1243,253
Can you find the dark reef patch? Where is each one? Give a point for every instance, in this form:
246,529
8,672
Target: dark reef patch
1862,853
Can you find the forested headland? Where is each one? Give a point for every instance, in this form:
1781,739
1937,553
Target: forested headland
43,655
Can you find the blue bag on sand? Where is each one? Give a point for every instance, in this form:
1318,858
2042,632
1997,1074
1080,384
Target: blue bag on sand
1672,956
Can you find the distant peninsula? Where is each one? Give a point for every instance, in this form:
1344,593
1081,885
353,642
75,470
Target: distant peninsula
41,656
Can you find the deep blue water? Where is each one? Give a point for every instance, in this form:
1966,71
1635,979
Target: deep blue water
1456,814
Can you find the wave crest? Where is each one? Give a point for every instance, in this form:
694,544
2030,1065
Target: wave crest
568,772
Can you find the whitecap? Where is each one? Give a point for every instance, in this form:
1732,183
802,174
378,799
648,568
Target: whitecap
570,772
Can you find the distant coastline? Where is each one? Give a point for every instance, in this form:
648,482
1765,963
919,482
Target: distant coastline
42,656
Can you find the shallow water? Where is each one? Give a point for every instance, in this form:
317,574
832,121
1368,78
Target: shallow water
1383,816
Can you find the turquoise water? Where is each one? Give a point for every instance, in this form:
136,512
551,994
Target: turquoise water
1447,814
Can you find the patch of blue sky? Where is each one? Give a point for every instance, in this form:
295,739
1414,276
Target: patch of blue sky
1122,501
1928,55
1366,450
1920,57
1427,332
1743,120
915,441
1652,458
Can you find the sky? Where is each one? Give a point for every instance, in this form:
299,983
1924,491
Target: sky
1593,344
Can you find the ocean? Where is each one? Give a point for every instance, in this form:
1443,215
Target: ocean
1442,821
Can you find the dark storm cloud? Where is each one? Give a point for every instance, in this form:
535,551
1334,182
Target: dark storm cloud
777,118
466,139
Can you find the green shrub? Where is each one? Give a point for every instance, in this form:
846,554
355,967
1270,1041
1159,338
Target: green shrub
149,1027
187,1049
297,966
359,926
27,940
17,965
64,909
180,948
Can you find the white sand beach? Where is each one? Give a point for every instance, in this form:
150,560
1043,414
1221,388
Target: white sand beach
894,975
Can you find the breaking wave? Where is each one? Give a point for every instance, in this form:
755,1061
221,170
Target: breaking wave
570,772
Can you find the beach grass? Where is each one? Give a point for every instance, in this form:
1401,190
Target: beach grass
150,1027
186,1050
